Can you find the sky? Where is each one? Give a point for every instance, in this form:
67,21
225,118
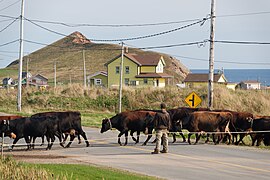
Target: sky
168,22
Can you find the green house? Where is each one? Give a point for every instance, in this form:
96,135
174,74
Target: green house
138,70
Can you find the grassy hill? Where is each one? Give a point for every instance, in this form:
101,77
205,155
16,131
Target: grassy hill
67,53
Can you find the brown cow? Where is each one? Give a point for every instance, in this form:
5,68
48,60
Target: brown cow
129,120
206,121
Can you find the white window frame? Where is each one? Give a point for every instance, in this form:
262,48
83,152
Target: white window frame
98,81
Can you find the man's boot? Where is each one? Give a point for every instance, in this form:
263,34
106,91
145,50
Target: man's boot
156,151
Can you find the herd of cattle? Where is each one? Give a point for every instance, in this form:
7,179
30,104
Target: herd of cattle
223,125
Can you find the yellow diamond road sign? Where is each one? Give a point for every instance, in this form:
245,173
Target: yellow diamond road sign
193,100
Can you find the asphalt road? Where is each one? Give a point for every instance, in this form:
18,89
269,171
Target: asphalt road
202,161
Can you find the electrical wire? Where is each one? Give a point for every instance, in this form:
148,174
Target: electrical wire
112,25
223,61
128,39
242,42
10,5
5,44
9,24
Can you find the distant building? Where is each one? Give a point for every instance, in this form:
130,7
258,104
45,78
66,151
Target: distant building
98,79
231,85
38,81
202,79
250,84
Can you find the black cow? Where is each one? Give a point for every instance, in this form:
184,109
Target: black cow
68,121
32,127
262,126
129,120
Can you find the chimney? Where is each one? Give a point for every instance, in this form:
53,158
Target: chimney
126,50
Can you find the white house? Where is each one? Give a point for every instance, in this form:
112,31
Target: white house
250,84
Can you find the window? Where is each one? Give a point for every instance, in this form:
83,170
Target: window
126,81
117,70
98,81
127,69
145,81
133,83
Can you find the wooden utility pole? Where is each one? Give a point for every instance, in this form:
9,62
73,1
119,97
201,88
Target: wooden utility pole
84,70
211,56
19,95
54,75
121,78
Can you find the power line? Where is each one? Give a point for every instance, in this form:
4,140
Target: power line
5,44
10,5
9,24
244,14
223,61
242,42
128,39
113,25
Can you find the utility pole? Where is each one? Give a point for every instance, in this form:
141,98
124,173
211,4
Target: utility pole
19,95
54,75
121,78
211,56
27,62
84,70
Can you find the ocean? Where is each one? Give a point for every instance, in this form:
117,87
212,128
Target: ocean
238,75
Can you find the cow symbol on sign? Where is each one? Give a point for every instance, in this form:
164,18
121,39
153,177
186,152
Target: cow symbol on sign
193,100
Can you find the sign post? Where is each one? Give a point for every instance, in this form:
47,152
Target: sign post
193,100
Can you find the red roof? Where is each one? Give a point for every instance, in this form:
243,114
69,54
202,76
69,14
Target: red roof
199,77
153,75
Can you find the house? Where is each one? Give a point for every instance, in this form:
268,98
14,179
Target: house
250,84
202,79
7,81
231,85
98,79
138,70
38,81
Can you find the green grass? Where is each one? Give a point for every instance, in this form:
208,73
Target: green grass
85,172
94,119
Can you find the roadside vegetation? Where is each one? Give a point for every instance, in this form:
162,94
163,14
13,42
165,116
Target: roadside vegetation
97,103
10,169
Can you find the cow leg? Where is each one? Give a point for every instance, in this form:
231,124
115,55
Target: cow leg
131,134
174,137
126,137
82,133
138,137
198,136
119,137
189,135
48,141
79,139
72,137
207,138
27,140
42,141
52,141
183,136
14,142
150,130
33,142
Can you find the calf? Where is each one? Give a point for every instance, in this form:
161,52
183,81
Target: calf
125,121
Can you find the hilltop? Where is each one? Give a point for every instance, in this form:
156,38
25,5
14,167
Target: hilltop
67,53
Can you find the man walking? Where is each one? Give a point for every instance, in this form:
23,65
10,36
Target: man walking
162,125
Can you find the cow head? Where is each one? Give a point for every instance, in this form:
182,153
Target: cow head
149,119
106,125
